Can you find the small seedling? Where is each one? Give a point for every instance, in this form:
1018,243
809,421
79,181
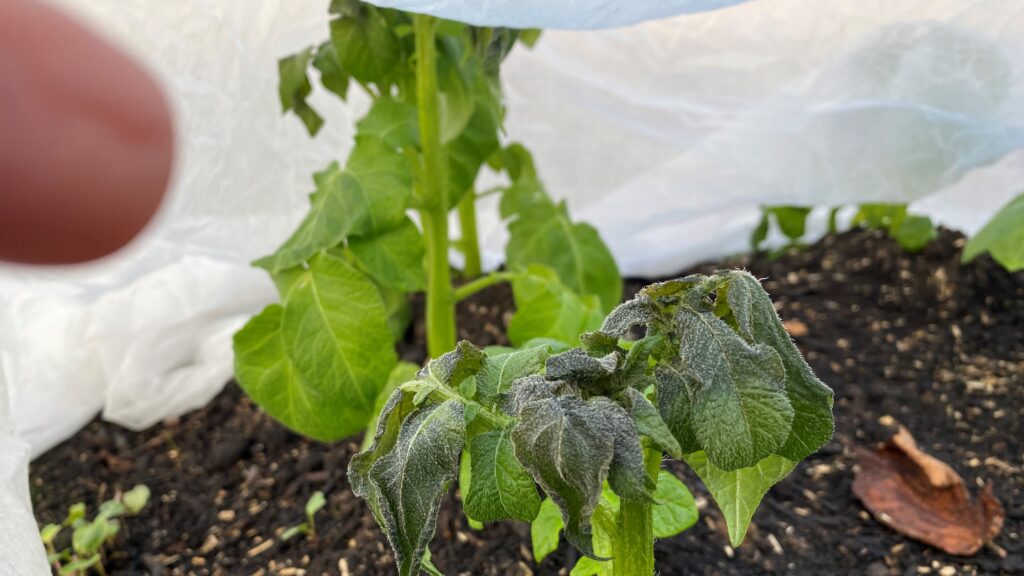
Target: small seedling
89,538
315,503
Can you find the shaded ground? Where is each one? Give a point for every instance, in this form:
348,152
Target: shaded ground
915,339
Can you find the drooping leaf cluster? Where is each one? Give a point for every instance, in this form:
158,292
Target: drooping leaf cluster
318,360
700,367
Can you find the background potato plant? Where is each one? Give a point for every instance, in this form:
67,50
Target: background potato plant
318,360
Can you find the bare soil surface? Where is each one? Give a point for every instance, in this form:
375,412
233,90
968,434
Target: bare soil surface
916,339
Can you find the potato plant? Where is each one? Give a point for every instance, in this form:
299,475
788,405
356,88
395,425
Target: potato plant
700,368
318,360
911,231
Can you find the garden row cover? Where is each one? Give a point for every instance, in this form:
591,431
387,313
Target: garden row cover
665,135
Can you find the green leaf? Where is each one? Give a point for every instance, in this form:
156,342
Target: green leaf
567,446
368,197
136,499
529,36
475,144
574,251
76,512
545,308
545,528
455,97
760,233
792,220
676,510
398,309
428,565
880,215
366,46
649,423
499,371
810,398
738,492
315,503
331,74
394,258
294,531
740,412
49,533
393,121
500,488
605,530
317,363
293,88
466,484
408,483
111,509
1002,237
914,232
87,539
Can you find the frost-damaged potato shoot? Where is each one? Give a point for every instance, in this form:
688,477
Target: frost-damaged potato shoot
700,368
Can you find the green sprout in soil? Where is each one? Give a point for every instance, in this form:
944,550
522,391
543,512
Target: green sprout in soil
700,368
315,503
89,538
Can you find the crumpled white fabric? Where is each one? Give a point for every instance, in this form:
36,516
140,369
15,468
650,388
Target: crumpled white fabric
665,135
558,14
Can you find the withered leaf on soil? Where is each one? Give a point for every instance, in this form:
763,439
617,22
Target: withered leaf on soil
922,497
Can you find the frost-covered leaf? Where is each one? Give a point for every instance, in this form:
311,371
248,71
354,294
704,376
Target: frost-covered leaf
627,474
567,445
740,412
675,404
501,488
577,366
401,373
500,370
394,257
810,398
676,510
529,389
545,308
545,529
455,366
649,423
1002,237
293,89
574,251
738,492
367,46
640,311
408,483
317,363
393,121
368,197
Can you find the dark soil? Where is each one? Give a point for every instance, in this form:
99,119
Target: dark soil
915,339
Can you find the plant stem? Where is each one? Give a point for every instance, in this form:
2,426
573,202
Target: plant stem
470,288
470,243
434,214
634,539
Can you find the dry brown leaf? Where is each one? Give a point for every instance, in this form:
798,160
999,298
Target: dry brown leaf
922,497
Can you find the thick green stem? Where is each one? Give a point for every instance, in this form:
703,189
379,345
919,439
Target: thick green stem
434,214
470,288
634,538
470,243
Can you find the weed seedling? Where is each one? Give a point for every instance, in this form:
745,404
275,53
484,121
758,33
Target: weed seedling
315,503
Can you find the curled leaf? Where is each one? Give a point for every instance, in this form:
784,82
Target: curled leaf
924,498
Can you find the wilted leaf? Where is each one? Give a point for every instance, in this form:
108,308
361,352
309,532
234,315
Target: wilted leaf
810,398
451,368
922,497
567,446
649,423
739,410
500,370
405,486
